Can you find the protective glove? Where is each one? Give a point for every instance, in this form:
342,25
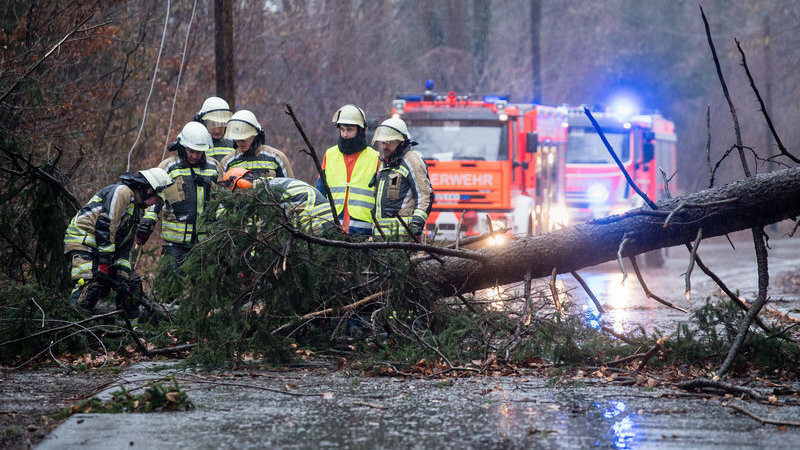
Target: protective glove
142,237
143,232
103,273
417,225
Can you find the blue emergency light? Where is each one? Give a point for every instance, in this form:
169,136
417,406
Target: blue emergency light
494,98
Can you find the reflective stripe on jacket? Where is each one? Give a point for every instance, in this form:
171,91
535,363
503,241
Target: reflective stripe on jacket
222,148
105,226
180,224
404,191
265,162
357,190
307,207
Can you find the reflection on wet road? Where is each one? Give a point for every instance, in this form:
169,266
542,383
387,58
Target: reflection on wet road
477,412
627,306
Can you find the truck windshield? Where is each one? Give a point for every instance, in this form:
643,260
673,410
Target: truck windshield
584,146
460,140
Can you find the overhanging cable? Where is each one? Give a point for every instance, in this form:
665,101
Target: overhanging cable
152,83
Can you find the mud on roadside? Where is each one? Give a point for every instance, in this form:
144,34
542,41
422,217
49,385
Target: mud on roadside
30,398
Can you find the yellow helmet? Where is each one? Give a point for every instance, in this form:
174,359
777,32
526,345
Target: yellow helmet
350,115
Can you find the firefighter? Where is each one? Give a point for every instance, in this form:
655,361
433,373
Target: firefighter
306,207
214,114
349,166
261,159
195,175
404,189
99,238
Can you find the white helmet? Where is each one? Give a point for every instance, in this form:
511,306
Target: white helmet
350,115
214,109
160,181
196,137
392,129
243,125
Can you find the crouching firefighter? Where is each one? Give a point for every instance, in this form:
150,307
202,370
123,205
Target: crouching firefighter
404,196
99,238
305,206
194,175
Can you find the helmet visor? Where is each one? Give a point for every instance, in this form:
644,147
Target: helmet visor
211,124
238,130
218,115
386,134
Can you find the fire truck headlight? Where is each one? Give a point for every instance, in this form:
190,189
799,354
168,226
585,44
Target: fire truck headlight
559,216
597,193
497,240
499,224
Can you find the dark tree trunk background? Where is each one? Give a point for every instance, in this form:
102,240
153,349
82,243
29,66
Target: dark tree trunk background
223,40
760,201
536,26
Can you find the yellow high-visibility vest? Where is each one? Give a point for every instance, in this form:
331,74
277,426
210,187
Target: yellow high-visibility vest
361,198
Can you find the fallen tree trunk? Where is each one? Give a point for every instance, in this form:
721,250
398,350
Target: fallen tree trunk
756,201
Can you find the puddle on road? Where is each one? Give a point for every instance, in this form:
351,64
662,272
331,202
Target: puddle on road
627,306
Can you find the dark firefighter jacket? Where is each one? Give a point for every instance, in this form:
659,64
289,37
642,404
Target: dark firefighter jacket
263,162
180,219
403,191
222,148
105,226
305,205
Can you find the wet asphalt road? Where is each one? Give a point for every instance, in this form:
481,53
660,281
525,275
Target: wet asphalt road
351,412
500,412
628,307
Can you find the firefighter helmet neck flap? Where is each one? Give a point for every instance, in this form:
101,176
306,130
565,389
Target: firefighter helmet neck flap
156,179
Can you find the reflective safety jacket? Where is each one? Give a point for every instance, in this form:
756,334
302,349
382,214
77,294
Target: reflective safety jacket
353,189
264,162
404,191
180,219
105,227
221,149
307,207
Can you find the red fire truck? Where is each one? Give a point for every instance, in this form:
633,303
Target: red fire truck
595,187
487,156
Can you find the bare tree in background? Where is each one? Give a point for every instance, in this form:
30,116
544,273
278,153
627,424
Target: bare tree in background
224,50
536,26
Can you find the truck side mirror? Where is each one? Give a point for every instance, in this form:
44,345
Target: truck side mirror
648,146
531,142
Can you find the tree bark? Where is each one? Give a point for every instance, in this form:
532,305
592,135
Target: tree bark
753,202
